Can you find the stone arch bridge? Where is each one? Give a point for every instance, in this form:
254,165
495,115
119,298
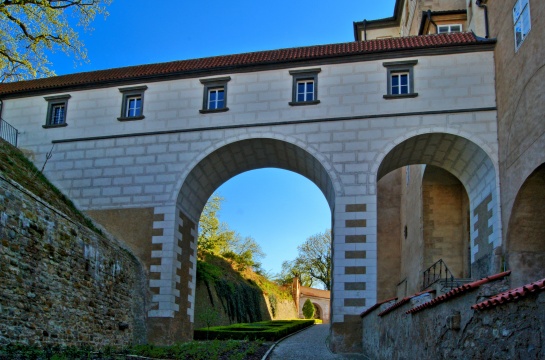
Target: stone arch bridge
146,180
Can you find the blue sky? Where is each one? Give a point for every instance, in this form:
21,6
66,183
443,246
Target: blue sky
279,209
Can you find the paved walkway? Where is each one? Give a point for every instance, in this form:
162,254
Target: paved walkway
308,344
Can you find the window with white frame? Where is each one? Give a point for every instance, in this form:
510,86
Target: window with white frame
521,21
400,79
305,87
56,111
214,95
450,28
58,114
305,90
216,98
132,106
399,82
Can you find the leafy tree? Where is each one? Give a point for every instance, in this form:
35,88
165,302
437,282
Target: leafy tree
308,309
31,28
313,262
209,316
217,238
291,269
248,251
214,236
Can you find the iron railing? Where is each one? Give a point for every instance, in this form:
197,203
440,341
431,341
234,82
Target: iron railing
438,272
8,132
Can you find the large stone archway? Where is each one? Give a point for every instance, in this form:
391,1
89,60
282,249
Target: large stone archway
474,169
526,231
175,295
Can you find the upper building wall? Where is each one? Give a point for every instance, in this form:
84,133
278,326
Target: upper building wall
411,18
450,81
520,79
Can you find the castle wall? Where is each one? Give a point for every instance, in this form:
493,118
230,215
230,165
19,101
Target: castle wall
62,283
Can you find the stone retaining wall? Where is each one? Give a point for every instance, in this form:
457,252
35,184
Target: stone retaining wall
452,330
62,283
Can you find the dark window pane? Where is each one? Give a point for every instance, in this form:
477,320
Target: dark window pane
57,114
404,79
395,80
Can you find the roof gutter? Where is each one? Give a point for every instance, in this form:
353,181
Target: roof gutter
480,4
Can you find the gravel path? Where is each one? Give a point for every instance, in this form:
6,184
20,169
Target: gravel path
308,344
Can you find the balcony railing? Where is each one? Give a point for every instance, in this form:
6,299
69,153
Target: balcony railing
8,132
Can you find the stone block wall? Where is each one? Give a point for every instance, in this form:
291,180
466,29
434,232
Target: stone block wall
452,330
62,283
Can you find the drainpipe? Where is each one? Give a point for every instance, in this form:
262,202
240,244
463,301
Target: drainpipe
431,21
364,30
483,6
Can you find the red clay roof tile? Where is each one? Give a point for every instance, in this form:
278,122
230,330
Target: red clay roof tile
368,311
458,291
403,301
511,295
228,62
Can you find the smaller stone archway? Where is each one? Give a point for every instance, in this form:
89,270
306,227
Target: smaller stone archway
460,162
526,231
320,299
318,312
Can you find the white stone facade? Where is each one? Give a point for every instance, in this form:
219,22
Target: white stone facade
102,163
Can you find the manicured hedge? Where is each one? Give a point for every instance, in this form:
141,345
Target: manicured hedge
265,330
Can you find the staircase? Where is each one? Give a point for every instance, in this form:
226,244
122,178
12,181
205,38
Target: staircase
440,273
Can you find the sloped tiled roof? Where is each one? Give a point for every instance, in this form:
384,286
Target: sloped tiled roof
196,67
458,291
403,302
511,295
372,308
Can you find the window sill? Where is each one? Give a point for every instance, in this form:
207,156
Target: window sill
301,103
131,118
50,126
400,96
208,111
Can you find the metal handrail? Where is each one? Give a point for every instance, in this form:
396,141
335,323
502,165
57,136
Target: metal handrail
437,272
8,132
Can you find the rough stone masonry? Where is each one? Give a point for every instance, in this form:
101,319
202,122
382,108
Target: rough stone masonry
62,283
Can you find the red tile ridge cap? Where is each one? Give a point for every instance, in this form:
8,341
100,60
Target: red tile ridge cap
511,295
404,301
458,291
368,311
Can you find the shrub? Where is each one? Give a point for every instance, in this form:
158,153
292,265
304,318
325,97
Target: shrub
266,330
308,309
